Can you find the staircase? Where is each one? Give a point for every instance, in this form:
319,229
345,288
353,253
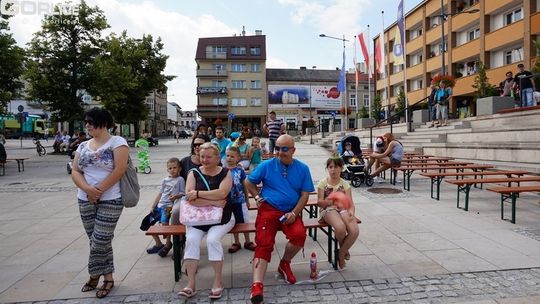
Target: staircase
508,141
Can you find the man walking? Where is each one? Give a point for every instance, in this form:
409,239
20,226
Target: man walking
526,86
286,186
274,127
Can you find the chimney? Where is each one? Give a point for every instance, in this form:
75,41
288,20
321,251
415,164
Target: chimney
258,32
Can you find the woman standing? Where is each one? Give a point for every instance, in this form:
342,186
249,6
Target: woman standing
98,165
220,182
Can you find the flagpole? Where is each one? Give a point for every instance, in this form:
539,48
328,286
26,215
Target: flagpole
404,43
345,124
369,71
357,81
386,71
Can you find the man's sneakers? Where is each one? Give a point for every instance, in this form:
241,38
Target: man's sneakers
285,270
257,293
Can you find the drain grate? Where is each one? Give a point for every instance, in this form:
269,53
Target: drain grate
383,190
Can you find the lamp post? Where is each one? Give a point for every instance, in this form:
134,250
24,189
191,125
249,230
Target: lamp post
345,94
310,106
443,16
217,92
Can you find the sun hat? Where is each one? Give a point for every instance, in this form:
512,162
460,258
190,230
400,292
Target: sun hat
149,220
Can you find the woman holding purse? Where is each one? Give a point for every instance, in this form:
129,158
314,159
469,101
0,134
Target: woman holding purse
219,182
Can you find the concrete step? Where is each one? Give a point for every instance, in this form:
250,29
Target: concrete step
414,136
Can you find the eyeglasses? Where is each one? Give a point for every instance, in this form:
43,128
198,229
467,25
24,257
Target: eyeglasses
282,149
88,121
197,145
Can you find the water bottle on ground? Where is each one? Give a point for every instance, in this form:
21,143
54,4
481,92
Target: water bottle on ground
313,266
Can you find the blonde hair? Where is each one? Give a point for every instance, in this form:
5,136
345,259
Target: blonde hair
389,136
208,145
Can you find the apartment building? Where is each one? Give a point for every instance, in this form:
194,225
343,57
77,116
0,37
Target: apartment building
231,80
499,33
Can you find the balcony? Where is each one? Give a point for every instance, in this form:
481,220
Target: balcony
535,24
464,19
211,73
413,19
504,36
494,5
435,63
415,45
212,91
396,78
434,34
216,55
415,71
464,85
465,51
416,95
435,7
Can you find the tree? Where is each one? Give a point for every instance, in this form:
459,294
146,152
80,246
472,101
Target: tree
61,54
127,71
364,113
401,103
11,65
482,85
536,67
376,108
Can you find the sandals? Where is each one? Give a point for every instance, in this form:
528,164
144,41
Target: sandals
187,292
250,246
234,248
216,293
105,289
90,285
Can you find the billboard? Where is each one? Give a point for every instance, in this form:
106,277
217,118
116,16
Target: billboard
297,96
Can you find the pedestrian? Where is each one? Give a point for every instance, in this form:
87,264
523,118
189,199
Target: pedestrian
505,86
442,97
211,186
98,165
342,220
432,105
172,188
526,86
286,184
274,127
238,198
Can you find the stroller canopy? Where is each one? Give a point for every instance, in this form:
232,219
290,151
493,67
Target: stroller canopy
355,144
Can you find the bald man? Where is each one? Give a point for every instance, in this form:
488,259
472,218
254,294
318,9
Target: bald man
286,186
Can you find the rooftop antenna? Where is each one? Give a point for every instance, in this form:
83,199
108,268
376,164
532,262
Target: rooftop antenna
243,30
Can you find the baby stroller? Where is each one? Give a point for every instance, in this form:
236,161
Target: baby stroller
354,164
143,156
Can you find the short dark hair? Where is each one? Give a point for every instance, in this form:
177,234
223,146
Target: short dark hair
272,112
201,136
220,128
337,161
100,117
521,65
174,160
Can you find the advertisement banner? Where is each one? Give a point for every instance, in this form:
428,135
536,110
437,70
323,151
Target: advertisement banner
297,96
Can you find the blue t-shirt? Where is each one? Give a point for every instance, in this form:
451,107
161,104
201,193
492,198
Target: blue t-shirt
282,185
222,145
442,94
237,194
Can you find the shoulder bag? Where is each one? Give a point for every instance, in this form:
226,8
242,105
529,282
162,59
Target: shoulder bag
191,215
129,186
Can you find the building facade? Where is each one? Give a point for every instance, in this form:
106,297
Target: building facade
231,80
157,122
188,120
498,33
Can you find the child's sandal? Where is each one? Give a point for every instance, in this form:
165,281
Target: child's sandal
234,248
250,246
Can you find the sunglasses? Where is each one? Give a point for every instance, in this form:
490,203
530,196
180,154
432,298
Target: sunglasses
88,121
197,145
282,149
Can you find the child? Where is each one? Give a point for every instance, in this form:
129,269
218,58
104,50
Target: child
343,221
264,148
255,153
172,188
238,196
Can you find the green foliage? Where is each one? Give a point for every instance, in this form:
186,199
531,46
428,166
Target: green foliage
127,71
60,56
482,85
376,108
364,112
11,66
536,68
401,103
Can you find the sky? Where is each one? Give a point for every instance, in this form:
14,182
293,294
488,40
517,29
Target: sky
292,29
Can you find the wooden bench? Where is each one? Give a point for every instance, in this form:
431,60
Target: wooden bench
437,177
178,236
464,185
20,161
408,170
511,193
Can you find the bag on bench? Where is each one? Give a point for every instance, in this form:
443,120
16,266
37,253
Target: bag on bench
191,215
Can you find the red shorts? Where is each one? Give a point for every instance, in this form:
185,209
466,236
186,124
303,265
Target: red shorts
266,226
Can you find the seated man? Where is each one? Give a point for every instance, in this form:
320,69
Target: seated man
75,143
65,142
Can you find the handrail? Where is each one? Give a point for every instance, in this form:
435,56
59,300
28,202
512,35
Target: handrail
392,118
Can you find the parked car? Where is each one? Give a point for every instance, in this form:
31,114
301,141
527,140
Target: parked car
184,134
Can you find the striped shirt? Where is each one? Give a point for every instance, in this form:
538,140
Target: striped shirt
274,128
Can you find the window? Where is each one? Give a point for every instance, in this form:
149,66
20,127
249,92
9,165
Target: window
513,16
219,49
255,84
352,87
256,102
255,51
416,84
238,50
352,100
514,55
416,59
435,21
473,34
396,68
220,101
255,67
218,83
219,66
238,67
238,102
366,100
417,32
238,84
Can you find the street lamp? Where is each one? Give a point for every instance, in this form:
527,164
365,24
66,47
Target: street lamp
443,16
310,106
344,95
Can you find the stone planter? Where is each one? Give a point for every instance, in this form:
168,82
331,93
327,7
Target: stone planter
491,105
365,122
420,116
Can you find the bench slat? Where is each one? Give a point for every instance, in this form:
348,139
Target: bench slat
516,189
494,180
437,174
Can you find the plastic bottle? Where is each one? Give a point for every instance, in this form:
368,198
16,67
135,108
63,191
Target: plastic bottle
313,266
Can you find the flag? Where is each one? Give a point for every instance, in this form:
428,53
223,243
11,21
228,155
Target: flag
365,52
342,83
379,53
355,67
398,41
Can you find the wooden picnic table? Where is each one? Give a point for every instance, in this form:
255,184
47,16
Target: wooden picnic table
437,177
19,160
512,193
408,170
